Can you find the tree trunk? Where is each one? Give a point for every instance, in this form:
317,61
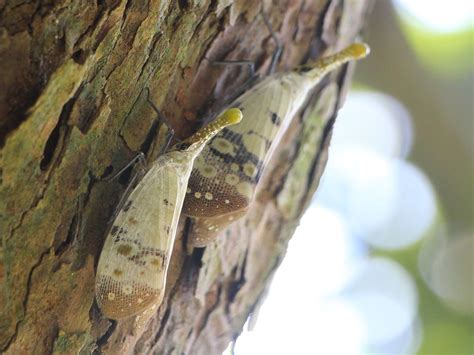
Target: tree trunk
73,110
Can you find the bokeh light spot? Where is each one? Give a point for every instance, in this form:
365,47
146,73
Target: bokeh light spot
437,15
386,297
375,121
359,184
448,272
414,212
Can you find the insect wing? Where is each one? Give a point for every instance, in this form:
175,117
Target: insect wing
225,175
224,179
132,268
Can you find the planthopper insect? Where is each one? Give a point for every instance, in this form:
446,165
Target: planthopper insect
224,178
132,268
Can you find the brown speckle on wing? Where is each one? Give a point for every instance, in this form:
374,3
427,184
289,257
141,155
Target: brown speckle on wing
118,300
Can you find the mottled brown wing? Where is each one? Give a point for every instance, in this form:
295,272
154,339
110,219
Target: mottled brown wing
225,175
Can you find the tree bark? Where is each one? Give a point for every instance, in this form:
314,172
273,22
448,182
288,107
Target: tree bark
73,111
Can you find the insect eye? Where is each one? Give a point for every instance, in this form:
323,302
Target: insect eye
182,146
303,69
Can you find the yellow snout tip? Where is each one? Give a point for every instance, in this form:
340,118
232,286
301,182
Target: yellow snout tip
358,50
231,116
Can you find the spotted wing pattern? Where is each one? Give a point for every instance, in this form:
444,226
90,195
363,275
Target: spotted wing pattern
131,273
226,173
132,268
225,176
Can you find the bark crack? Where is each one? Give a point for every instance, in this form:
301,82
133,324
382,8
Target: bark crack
209,309
151,50
93,25
105,337
163,324
25,300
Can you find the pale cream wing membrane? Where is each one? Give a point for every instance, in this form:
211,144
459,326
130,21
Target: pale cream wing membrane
258,132
231,164
271,105
132,267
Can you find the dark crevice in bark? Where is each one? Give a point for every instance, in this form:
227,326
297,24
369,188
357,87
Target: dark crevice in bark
105,337
125,176
183,5
176,22
89,111
317,45
163,324
107,172
101,10
186,232
237,283
23,100
296,29
80,56
54,137
54,337
61,246
196,258
150,137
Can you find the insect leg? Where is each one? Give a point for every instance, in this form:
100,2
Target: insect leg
139,158
162,118
276,55
249,63
129,189
243,87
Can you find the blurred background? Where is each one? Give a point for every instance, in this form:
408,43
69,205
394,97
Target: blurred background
388,242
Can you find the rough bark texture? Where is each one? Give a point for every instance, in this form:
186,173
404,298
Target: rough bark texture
73,110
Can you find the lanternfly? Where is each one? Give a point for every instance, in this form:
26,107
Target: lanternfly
224,178
132,268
